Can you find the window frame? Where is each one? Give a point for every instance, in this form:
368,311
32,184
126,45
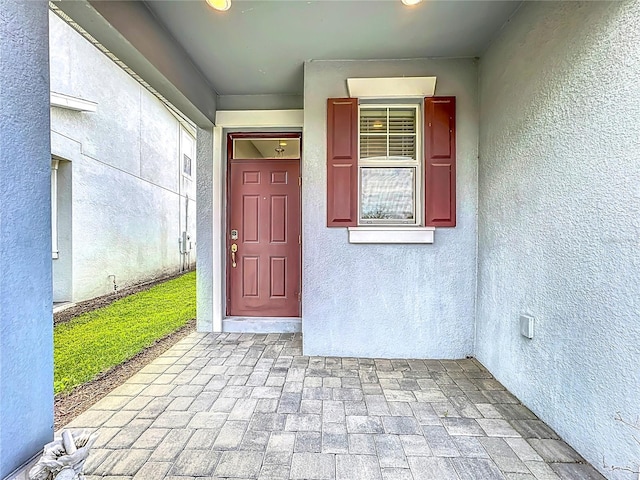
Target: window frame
417,164
187,149
440,177
262,137
184,166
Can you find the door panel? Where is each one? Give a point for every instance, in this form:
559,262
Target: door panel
264,206
250,215
279,219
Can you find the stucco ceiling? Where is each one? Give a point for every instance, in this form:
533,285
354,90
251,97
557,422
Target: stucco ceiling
259,47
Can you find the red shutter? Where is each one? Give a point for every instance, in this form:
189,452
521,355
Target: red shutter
342,162
440,161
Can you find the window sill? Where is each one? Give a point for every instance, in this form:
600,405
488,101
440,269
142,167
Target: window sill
391,234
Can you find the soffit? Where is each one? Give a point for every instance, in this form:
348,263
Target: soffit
259,47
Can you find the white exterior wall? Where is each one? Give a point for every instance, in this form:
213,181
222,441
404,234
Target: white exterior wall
559,222
128,194
388,300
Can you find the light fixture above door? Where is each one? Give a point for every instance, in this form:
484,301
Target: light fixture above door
411,3
221,5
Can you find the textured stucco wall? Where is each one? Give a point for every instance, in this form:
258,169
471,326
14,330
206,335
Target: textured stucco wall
26,330
207,224
388,300
559,222
128,193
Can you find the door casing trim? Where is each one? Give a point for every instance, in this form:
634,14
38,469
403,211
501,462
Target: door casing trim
232,121
225,231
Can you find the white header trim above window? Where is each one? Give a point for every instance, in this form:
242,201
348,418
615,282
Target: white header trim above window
391,87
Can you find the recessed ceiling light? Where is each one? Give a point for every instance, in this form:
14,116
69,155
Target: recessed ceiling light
411,3
221,5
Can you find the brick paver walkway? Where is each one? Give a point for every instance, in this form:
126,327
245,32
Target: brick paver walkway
253,407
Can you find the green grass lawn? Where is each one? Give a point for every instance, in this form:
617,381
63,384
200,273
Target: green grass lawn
96,341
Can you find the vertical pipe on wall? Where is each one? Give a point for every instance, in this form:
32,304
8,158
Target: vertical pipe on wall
54,208
187,249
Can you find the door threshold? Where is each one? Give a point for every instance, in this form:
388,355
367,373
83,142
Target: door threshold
262,324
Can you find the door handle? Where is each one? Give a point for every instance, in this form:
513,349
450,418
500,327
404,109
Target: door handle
234,249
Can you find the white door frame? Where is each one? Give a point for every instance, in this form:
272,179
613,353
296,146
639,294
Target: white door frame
234,119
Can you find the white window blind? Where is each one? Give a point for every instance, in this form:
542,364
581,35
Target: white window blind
388,133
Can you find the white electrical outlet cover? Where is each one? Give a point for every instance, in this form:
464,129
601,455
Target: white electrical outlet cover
526,326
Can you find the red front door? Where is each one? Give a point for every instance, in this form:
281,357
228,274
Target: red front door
264,225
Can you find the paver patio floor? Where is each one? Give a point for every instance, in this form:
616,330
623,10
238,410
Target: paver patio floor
247,406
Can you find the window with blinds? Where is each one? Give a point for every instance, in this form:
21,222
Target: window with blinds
388,133
388,165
